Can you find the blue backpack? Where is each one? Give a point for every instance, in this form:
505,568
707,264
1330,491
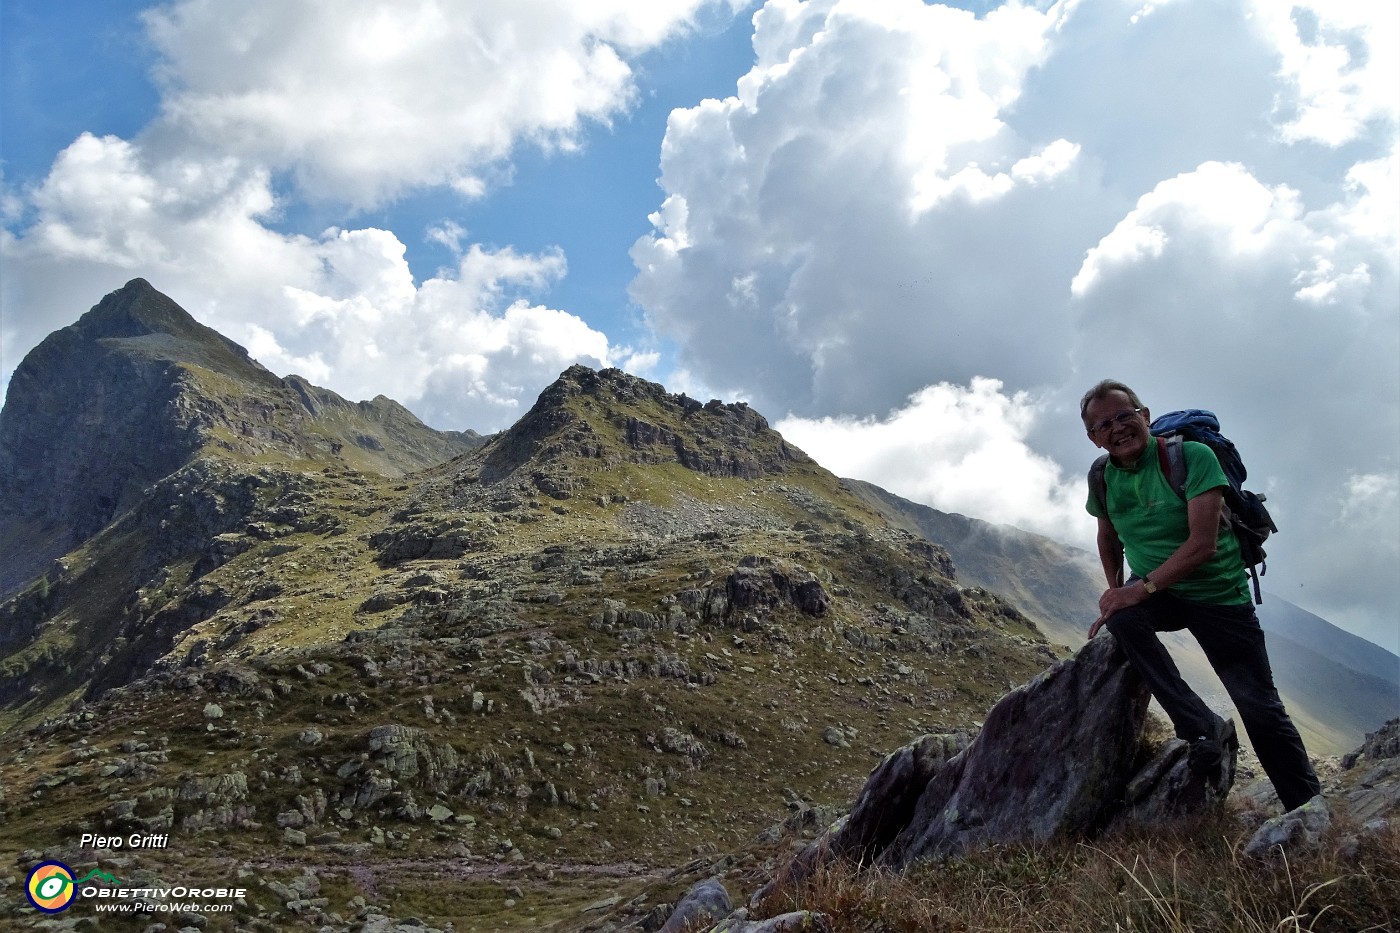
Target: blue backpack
1244,510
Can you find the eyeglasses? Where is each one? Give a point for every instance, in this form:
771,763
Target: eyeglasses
1121,418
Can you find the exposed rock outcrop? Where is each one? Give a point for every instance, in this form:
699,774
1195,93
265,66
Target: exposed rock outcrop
1370,782
761,582
708,901
1059,756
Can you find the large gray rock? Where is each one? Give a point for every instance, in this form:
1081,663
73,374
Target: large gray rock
1296,830
1054,757
1058,756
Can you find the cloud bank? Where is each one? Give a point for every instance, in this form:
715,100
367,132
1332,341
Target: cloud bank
362,100
909,221
964,448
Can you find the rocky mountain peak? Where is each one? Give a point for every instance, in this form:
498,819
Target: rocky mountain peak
136,389
614,416
149,323
134,310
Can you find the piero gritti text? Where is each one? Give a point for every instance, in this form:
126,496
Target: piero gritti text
133,841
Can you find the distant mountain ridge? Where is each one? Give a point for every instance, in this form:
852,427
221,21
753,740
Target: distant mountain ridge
1311,631
1338,687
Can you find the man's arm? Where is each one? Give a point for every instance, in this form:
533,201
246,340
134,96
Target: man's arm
1203,522
1111,558
1110,553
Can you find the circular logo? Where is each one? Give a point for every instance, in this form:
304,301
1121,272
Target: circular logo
50,887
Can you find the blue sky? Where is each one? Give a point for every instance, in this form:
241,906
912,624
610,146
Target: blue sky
908,233
82,65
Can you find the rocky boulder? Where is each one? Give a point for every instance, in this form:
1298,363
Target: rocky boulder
706,901
1054,757
763,583
1290,832
1061,755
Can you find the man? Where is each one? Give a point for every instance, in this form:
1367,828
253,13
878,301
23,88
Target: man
1187,573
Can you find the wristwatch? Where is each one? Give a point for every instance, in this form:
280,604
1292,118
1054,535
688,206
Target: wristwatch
1148,585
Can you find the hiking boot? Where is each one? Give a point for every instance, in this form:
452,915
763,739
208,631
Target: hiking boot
1208,751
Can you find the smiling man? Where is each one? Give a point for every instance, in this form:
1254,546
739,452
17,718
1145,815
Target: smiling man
1186,573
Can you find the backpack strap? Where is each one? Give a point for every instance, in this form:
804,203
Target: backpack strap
1098,486
1172,458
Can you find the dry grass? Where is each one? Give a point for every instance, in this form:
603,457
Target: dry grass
1191,878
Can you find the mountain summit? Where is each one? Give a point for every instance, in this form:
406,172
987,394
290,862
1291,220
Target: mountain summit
136,389
604,414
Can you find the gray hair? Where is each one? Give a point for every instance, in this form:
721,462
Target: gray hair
1101,390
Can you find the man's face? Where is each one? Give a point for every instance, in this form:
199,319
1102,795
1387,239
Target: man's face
1115,426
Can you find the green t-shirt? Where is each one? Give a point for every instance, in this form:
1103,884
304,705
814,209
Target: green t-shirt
1150,519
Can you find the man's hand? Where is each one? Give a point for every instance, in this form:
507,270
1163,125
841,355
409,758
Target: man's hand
1117,598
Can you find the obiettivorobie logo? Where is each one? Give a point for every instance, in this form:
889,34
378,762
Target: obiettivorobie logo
51,886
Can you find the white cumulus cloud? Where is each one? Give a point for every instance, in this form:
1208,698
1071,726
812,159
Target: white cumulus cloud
464,349
1198,199
1338,65
360,100
959,449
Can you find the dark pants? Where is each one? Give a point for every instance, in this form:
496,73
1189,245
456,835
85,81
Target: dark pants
1233,643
